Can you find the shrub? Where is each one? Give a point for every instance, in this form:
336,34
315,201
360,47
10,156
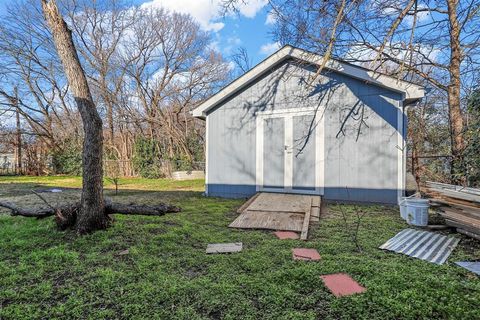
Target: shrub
147,158
68,160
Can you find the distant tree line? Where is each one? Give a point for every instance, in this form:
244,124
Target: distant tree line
147,68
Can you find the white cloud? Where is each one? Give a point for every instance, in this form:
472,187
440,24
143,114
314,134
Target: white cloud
394,11
250,8
422,16
271,18
364,56
206,12
203,11
232,43
231,66
214,46
235,41
269,48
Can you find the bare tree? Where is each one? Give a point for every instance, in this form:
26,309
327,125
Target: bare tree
242,60
29,62
146,69
18,135
169,75
92,216
100,29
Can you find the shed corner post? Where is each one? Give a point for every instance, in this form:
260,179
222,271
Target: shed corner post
402,149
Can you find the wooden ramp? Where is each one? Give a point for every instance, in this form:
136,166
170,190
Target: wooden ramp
278,211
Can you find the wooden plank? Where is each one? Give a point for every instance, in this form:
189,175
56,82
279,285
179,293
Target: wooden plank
438,185
315,214
280,202
224,247
464,205
436,227
456,224
458,215
458,195
466,208
452,201
306,224
247,203
475,223
470,234
475,215
316,201
188,175
288,221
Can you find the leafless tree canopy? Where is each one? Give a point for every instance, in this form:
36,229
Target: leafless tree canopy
147,68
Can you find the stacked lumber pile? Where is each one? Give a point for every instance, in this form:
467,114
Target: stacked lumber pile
460,206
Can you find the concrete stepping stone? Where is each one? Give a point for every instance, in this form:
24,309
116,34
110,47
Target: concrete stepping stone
305,254
286,235
224,247
341,284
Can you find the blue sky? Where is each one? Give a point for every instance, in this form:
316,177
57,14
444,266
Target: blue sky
247,28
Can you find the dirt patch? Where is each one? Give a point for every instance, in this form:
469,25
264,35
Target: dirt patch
195,272
55,199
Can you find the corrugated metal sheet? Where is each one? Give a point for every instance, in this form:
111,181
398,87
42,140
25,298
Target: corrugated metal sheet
473,266
424,245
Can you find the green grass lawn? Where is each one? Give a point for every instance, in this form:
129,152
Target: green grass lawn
47,274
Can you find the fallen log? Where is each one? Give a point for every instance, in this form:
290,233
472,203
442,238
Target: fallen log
66,215
139,209
35,212
110,208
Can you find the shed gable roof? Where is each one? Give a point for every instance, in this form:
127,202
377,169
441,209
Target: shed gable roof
410,91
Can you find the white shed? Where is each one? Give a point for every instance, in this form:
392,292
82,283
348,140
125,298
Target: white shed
341,135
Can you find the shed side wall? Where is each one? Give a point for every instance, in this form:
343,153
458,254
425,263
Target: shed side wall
361,138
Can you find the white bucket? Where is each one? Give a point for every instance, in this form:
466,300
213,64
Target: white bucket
403,207
417,211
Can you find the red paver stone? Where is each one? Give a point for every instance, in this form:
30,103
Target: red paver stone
305,254
341,284
286,235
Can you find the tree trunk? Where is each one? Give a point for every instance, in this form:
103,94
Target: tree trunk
92,215
453,90
109,106
111,129
18,138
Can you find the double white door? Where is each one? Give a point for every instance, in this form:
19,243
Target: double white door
289,151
